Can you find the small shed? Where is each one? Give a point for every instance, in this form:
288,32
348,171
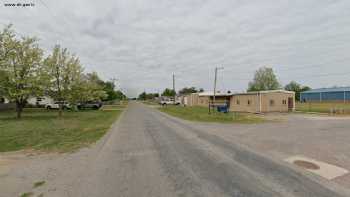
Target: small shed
263,101
326,95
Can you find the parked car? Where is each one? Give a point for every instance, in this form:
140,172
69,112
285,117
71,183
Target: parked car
169,102
90,105
56,105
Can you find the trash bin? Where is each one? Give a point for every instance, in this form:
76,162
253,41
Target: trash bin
222,108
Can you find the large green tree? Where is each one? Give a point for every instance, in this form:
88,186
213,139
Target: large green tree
112,94
264,79
64,76
109,88
94,87
20,67
297,88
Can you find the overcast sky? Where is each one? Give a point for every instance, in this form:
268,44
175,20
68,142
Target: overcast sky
143,42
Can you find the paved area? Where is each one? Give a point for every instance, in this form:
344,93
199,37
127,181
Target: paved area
148,153
323,138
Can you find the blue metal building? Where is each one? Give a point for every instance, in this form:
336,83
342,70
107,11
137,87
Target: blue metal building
326,94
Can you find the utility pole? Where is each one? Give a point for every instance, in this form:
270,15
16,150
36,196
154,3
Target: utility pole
174,88
215,79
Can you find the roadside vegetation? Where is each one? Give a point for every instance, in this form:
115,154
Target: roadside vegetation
26,72
337,108
39,129
201,114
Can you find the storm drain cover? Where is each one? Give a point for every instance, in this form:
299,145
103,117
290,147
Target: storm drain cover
306,164
320,168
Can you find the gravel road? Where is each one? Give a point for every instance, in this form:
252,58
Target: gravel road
150,154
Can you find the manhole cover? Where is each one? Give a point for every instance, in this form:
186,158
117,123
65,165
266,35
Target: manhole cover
306,164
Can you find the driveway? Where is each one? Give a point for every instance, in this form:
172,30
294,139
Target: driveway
323,138
148,153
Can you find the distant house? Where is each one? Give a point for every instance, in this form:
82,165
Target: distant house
326,95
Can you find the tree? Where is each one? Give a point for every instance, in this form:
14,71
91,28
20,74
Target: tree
297,88
264,79
120,95
112,94
148,96
168,92
20,64
94,87
109,88
64,76
142,96
190,90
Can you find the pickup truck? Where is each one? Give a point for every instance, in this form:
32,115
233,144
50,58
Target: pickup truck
169,102
56,105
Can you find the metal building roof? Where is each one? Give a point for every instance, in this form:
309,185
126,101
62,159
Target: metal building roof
341,89
211,93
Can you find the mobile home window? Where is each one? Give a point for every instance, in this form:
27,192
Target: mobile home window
249,102
237,102
272,102
284,102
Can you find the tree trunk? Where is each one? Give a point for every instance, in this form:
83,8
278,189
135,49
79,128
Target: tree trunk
19,109
60,110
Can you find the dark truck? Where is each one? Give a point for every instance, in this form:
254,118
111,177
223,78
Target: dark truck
90,105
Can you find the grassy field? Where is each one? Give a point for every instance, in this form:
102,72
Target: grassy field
322,107
43,130
201,114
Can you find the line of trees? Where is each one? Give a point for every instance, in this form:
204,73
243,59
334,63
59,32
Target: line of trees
25,72
147,96
167,92
265,79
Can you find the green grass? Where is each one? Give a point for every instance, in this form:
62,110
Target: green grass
201,114
27,194
38,184
43,130
322,107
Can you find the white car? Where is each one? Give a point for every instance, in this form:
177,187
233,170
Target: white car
169,102
56,105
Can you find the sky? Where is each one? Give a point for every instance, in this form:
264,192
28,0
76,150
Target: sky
142,43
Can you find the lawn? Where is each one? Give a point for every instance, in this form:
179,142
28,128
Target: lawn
323,107
43,130
201,114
